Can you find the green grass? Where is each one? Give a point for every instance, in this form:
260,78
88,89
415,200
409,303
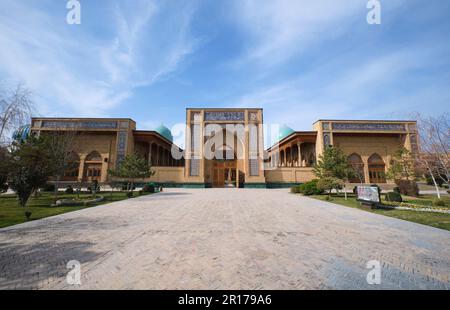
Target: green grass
11,213
426,200
437,220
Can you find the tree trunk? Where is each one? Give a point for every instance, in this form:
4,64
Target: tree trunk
345,191
56,191
435,185
434,181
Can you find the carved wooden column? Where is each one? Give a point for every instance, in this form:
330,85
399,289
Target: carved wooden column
150,154
300,159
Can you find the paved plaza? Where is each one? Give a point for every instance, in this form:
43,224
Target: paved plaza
223,239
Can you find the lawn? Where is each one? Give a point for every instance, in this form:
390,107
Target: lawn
11,213
437,220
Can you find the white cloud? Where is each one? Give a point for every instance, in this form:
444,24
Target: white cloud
357,89
72,71
277,30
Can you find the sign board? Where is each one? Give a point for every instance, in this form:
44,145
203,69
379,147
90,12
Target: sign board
368,194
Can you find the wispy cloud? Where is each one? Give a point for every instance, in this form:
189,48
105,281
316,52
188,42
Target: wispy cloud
359,89
73,71
278,30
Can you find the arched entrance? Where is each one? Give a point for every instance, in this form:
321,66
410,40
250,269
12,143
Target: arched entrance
93,167
225,174
377,169
356,162
225,169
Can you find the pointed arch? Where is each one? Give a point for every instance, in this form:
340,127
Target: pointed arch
93,166
94,156
356,162
377,169
72,167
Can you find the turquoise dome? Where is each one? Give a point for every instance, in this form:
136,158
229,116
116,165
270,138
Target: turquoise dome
284,132
22,133
165,132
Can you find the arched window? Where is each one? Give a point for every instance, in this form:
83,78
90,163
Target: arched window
377,169
94,156
72,167
93,166
355,161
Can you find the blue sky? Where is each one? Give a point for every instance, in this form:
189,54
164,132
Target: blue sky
299,60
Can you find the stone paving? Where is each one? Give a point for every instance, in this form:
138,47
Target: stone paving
223,239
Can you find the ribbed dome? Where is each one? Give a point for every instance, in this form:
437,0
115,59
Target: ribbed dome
22,133
284,132
165,132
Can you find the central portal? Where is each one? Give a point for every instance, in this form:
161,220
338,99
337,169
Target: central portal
225,174
224,147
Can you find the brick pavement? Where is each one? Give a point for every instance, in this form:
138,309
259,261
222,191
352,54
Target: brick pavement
223,239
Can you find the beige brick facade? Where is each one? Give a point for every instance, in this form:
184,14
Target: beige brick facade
100,144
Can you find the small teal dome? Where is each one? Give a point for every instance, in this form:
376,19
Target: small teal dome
284,132
22,133
165,132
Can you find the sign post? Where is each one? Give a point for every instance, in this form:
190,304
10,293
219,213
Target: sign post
368,196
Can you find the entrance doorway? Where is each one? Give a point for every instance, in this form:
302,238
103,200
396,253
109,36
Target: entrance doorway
225,174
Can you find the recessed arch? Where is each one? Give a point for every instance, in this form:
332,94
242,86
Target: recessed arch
94,156
72,166
93,167
356,162
377,169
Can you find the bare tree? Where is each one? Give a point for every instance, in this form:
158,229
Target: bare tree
15,109
61,143
435,147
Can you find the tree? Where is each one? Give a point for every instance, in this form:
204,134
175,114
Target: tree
328,184
402,170
333,164
434,133
402,166
15,110
29,168
60,145
132,168
3,170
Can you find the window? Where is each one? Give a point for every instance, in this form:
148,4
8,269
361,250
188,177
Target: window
357,164
377,169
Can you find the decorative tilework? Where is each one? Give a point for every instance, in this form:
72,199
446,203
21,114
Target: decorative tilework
254,167
83,124
224,116
369,126
195,167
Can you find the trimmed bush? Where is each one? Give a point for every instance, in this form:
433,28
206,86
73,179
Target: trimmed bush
48,187
148,188
295,189
438,202
393,196
396,189
69,189
129,194
126,186
328,184
409,188
310,188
